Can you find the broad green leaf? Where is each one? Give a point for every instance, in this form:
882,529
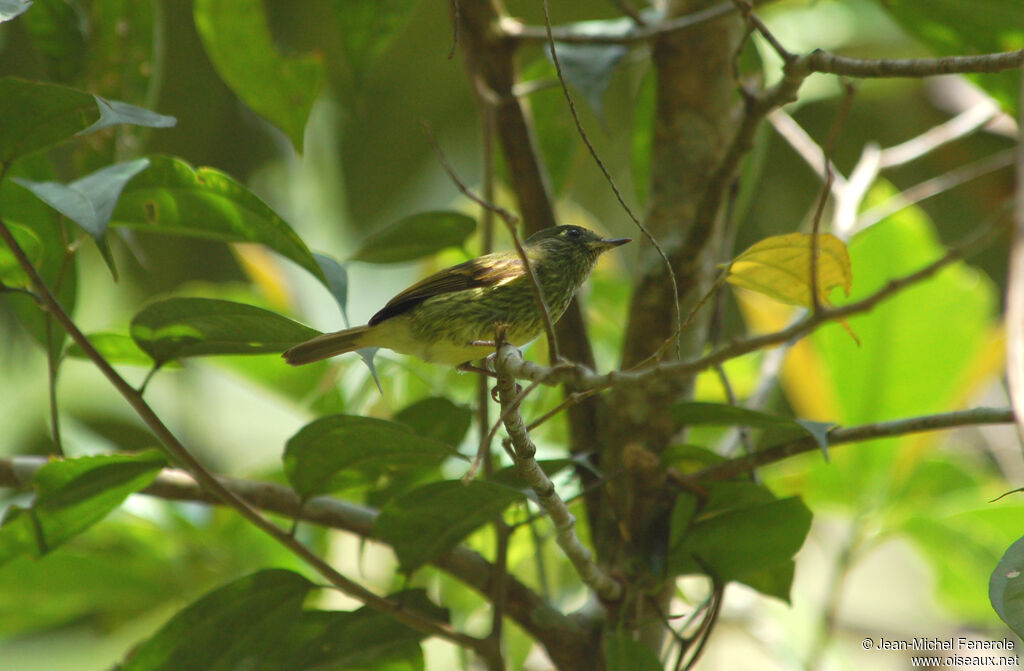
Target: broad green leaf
1006,587
621,653
368,26
915,354
89,201
11,273
12,8
337,451
427,521
780,267
336,277
114,112
742,540
437,418
172,197
232,627
956,28
696,413
776,581
416,236
589,67
552,123
71,496
38,115
182,327
115,348
361,639
57,33
279,88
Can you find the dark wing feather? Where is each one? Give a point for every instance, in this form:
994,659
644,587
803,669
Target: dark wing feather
480,272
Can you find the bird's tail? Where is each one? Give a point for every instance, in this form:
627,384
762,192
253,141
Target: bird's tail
327,345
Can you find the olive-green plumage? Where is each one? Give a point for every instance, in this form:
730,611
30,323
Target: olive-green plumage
445,317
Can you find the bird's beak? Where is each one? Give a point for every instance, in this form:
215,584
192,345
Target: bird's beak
608,243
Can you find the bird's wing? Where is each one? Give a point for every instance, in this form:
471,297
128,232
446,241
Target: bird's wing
490,270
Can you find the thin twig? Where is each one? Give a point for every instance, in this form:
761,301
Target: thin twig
839,436
823,61
606,587
456,20
677,317
511,222
180,454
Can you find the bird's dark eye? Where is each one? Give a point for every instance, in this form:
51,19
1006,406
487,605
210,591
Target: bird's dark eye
573,233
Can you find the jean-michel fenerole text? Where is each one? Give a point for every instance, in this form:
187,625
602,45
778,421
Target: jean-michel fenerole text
959,643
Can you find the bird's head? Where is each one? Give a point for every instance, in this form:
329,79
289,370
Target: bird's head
569,244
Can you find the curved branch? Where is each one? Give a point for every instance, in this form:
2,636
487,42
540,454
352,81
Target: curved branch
522,604
823,61
175,450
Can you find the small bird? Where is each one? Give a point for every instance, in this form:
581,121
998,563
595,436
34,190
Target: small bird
450,317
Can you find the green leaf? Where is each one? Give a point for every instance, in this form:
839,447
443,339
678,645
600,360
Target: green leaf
172,197
697,413
429,520
416,236
181,327
279,88
38,115
334,452
71,496
336,277
12,8
1006,587
57,33
552,123
368,26
10,272
742,541
115,348
589,67
114,112
621,653
776,581
232,627
89,201
362,639
437,418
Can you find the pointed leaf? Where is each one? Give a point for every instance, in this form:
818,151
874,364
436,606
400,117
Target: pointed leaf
12,8
336,277
742,541
1006,587
589,67
780,267
114,112
71,496
362,639
181,327
232,627
429,520
416,236
621,653
437,418
172,197
38,115
344,450
279,88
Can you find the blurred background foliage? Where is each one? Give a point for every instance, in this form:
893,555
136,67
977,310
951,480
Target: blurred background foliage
905,535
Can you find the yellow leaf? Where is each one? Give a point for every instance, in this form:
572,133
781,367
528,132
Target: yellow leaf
780,267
